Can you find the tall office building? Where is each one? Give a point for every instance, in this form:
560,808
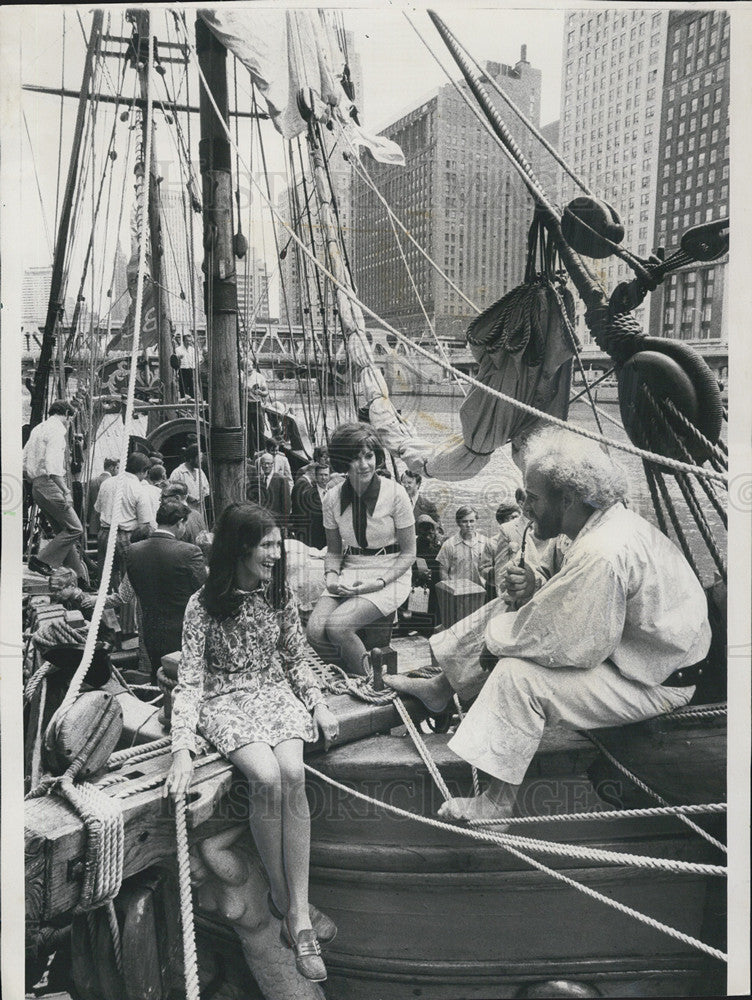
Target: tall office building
693,170
612,87
253,289
460,199
181,240
35,295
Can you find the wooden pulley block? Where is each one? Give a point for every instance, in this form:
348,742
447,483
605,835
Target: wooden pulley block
592,227
670,370
89,729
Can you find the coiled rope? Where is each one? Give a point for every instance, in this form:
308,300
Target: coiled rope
102,817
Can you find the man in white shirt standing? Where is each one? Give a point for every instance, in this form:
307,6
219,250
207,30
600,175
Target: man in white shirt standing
461,554
45,465
193,477
617,635
133,511
185,352
156,480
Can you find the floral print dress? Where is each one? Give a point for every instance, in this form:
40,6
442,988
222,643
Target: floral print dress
245,679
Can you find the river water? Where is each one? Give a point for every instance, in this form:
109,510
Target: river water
436,422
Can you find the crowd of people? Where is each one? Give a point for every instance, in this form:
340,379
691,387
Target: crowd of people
591,616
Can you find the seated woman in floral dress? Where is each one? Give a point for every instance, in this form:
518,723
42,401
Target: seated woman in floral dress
244,683
370,541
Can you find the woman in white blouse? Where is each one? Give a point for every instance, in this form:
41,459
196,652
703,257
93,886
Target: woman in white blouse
370,538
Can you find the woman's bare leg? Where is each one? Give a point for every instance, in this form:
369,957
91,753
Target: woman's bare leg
259,764
316,628
352,614
296,832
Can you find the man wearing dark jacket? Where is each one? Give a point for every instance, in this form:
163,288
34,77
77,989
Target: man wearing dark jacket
271,490
311,503
164,572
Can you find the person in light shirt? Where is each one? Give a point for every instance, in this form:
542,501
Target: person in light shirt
133,512
617,635
154,484
185,352
46,465
461,554
194,477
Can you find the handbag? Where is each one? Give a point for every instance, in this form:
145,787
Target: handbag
417,602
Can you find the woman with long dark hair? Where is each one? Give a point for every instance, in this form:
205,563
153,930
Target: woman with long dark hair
244,683
370,539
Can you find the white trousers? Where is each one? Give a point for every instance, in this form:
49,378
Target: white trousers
502,730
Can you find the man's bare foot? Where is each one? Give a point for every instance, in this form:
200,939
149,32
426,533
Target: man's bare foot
434,692
480,807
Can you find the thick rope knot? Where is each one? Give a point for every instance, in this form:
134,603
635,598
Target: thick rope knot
102,817
618,335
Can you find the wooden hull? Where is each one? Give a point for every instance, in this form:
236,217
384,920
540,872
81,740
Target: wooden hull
425,912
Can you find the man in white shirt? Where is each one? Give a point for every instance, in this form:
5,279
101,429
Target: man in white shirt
461,554
45,466
123,499
193,476
186,355
110,469
617,635
156,480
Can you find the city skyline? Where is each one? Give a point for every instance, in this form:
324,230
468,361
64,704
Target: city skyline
462,201
637,207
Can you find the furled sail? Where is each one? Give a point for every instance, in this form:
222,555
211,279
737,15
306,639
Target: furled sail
314,66
149,332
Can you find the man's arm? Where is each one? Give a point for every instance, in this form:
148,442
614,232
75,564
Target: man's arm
197,568
575,620
144,512
443,559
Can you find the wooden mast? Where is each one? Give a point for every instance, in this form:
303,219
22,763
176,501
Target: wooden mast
55,305
142,22
221,300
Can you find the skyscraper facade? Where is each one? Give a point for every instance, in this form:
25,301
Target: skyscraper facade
35,295
181,259
460,199
693,170
612,85
253,289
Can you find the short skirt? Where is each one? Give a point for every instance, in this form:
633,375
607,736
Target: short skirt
270,716
367,568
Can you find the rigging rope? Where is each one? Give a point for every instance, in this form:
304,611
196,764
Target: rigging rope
39,190
699,809
650,791
501,840
91,638
60,125
190,960
532,411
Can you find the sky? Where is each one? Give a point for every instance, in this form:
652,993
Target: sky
398,72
